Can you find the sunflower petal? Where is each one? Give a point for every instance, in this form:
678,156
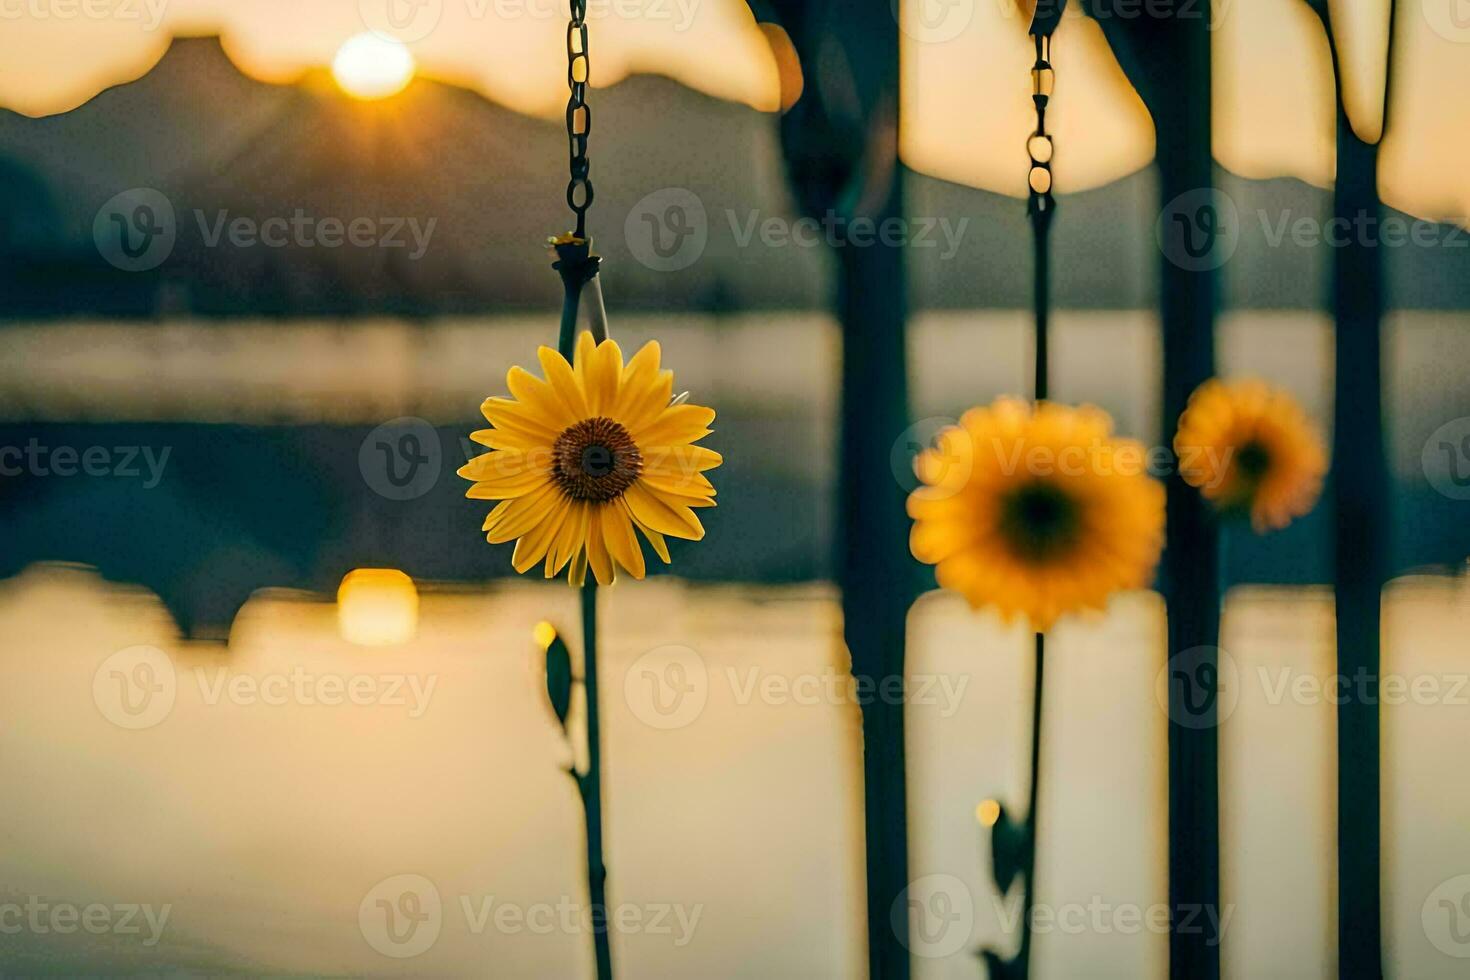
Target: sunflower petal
570,540
523,514
496,514
685,485
655,512
675,425
508,439
505,413
597,557
622,543
645,390
507,487
644,364
577,571
539,398
600,369
563,381
660,546
680,461
531,548
506,464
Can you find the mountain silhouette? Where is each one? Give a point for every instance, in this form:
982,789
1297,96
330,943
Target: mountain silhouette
483,187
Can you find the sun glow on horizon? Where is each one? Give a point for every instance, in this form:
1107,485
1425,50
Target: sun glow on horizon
371,67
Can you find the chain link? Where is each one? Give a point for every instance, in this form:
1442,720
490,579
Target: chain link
579,116
1039,145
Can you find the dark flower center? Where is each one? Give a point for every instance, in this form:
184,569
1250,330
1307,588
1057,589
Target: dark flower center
1040,521
596,460
1252,460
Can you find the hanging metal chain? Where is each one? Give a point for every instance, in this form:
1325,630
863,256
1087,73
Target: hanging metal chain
1039,145
574,259
579,116
1041,205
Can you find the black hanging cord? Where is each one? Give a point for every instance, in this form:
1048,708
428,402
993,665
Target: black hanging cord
1040,207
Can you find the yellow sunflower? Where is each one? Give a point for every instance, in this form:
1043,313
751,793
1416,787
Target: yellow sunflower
1036,511
1250,447
582,458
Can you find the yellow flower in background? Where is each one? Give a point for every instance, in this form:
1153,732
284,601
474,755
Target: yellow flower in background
1250,447
582,458
1036,511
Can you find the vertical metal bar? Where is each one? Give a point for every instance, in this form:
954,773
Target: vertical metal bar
874,569
842,160
1168,61
1360,495
1191,564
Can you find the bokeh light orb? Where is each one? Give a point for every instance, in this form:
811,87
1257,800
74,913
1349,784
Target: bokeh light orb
371,67
377,607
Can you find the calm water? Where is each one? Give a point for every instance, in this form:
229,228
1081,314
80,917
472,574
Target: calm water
273,823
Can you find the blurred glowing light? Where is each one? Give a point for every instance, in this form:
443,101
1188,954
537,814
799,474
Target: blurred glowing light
544,634
788,65
988,813
371,67
377,607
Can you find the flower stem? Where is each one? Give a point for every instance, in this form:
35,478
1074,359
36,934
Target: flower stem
591,786
1028,900
577,269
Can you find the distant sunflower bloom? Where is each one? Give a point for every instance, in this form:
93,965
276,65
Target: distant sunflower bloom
1037,511
1250,447
581,459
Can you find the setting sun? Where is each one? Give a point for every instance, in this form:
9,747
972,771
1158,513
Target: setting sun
372,67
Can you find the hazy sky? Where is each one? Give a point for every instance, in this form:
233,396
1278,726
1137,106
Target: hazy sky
1273,94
